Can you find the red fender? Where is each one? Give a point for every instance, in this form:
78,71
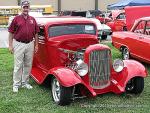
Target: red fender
65,76
68,77
132,69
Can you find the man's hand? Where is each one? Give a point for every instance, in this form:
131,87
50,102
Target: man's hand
36,43
11,50
36,48
10,38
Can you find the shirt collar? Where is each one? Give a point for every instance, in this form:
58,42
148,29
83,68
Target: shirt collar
24,16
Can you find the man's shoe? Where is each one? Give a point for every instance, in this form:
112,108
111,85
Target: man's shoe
15,89
28,86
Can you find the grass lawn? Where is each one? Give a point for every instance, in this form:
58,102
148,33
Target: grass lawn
38,100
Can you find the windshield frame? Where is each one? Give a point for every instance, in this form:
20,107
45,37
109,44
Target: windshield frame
94,26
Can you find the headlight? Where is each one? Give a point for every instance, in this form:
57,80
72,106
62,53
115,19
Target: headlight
118,65
81,68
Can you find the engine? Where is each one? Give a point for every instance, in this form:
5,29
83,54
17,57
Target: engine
76,61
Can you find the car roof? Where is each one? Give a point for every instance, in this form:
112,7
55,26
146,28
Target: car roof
63,19
139,20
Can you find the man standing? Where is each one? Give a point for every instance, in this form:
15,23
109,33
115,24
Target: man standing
22,31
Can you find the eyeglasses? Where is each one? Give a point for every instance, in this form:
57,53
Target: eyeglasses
25,7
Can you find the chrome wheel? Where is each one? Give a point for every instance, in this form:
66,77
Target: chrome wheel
56,90
61,95
126,54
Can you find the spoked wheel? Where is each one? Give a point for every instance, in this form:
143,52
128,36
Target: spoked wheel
135,85
61,95
125,54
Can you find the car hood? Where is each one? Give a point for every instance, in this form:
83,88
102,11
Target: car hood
115,13
75,42
135,12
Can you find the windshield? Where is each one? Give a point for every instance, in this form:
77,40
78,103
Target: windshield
71,29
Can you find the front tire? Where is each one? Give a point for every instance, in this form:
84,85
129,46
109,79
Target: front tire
135,85
61,95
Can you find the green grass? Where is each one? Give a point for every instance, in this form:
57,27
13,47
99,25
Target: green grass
39,99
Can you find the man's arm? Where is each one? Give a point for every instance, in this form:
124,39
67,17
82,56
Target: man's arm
11,43
36,43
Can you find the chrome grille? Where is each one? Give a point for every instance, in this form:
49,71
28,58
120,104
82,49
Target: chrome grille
99,69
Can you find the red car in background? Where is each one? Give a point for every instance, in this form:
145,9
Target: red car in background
117,21
136,42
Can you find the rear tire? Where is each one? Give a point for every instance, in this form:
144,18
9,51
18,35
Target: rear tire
124,28
135,85
61,95
125,54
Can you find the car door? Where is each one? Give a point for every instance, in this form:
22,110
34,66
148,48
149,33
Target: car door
41,55
146,42
142,43
119,22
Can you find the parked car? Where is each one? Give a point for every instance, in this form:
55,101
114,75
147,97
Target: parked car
117,20
123,20
65,13
136,42
103,30
71,59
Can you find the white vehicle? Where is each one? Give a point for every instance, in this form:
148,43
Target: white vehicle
103,29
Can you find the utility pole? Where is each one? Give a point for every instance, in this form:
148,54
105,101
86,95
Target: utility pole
59,6
19,2
96,4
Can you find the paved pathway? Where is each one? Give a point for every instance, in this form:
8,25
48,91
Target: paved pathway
3,38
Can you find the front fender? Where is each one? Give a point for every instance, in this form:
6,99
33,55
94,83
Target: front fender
135,68
131,69
66,76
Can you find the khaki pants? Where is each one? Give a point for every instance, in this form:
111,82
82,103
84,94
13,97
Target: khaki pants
23,56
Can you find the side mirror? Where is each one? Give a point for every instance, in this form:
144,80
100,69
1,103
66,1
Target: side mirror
41,32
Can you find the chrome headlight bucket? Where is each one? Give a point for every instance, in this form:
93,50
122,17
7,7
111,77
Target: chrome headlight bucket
118,65
81,67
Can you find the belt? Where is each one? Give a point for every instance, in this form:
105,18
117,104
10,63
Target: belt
22,41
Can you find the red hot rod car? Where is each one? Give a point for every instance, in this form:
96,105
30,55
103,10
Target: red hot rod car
77,65
136,42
